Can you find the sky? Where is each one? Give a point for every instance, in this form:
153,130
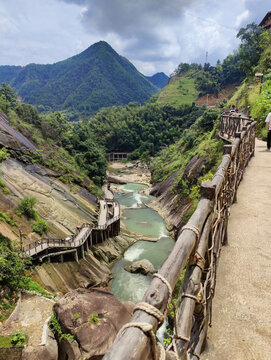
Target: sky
155,35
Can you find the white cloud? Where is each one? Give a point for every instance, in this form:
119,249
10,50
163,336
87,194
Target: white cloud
156,35
242,18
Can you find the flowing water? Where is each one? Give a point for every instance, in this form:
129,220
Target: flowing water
147,223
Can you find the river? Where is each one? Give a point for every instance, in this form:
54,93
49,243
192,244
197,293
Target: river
146,223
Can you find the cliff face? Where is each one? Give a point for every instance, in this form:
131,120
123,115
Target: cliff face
172,206
93,270
61,207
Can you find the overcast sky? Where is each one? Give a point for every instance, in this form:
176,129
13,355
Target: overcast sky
155,35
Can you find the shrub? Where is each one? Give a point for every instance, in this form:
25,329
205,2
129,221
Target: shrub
4,155
93,318
56,329
40,226
27,284
26,207
18,338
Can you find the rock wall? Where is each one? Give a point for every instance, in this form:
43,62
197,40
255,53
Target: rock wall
62,209
93,270
169,203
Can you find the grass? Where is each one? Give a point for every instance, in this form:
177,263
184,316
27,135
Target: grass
7,219
30,285
5,342
181,91
17,339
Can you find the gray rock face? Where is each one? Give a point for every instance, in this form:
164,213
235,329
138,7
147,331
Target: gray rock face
48,351
93,317
144,267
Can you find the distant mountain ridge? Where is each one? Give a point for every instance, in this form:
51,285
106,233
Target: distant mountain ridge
97,77
159,79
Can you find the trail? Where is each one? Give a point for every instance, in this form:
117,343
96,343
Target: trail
241,308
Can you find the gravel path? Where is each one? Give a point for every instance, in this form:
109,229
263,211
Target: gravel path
241,308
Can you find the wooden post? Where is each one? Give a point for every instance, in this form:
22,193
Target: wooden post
76,256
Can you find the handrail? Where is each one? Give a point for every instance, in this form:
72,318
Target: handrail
197,247
76,240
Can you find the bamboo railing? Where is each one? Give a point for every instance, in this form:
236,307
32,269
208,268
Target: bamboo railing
197,248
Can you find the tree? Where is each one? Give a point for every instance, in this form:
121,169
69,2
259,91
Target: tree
29,114
9,96
251,47
12,266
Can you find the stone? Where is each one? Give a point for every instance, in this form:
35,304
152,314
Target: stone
48,351
144,267
94,317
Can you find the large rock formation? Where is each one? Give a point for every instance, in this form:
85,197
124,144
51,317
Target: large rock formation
93,317
144,267
169,204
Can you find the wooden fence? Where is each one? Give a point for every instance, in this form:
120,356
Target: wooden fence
78,239
197,249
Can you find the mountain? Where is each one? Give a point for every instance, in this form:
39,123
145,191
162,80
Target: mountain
96,78
7,73
159,79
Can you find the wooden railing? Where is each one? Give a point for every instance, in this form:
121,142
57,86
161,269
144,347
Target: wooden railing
196,249
76,240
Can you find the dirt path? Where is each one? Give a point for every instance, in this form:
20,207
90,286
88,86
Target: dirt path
241,308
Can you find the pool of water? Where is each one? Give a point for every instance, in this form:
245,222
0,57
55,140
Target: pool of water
145,222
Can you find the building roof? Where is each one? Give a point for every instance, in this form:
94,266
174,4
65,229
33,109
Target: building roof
262,23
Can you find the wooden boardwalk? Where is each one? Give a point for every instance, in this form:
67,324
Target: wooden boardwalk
241,327
81,237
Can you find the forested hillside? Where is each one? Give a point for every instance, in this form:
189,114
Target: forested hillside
73,153
81,85
159,79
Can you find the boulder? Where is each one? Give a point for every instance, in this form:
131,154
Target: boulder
94,317
144,267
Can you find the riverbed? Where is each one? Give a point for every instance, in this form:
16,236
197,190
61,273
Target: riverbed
147,224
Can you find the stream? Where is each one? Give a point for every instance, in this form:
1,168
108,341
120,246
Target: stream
146,223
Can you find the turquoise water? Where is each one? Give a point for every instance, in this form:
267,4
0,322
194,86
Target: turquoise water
132,195
145,222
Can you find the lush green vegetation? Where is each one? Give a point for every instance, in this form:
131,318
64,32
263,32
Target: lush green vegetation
142,130
12,266
181,91
28,284
26,208
211,79
56,329
13,276
63,146
18,338
199,141
82,84
251,97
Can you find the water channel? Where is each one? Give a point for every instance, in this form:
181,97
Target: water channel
147,223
